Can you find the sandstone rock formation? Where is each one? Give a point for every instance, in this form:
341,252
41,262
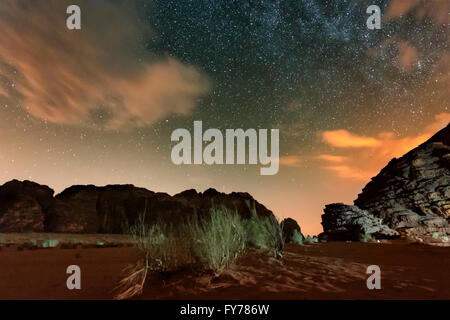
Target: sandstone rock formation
289,226
410,195
346,222
27,206
413,190
92,209
22,206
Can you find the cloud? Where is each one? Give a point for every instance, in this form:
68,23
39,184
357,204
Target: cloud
345,139
332,158
407,56
338,164
100,75
399,8
348,172
361,158
434,9
3,92
290,161
400,53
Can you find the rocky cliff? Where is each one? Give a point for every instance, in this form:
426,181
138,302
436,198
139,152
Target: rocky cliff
410,195
26,206
22,206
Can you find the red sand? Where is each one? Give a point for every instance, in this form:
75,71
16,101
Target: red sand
320,271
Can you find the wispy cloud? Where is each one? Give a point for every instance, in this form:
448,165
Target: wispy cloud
291,161
345,139
100,75
434,9
332,158
401,53
349,172
407,56
361,157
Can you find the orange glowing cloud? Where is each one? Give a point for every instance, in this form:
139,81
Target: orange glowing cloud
407,56
345,139
434,9
399,8
290,161
331,158
97,76
348,172
3,92
364,156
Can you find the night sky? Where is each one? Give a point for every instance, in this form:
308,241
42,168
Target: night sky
98,105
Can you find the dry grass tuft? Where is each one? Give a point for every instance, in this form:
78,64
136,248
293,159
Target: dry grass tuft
211,244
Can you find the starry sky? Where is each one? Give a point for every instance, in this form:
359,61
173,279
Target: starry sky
98,105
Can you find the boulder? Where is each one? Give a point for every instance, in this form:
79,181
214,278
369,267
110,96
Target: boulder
345,222
289,226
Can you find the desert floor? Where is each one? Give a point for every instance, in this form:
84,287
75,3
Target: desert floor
334,270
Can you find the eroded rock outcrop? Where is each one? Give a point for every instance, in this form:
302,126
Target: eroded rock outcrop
23,206
290,226
414,190
410,195
92,209
27,206
345,222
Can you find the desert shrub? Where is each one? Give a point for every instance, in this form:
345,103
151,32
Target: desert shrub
157,253
211,244
309,239
365,237
219,240
297,237
50,243
264,232
161,248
